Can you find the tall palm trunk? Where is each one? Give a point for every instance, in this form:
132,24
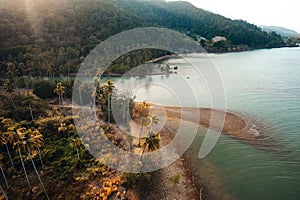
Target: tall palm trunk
3,193
94,109
125,118
37,173
3,174
59,107
62,103
40,157
80,98
143,121
12,102
31,114
109,107
11,161
143,152
39,151
77,151
23,165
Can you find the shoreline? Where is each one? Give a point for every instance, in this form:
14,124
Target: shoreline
235,126
189,186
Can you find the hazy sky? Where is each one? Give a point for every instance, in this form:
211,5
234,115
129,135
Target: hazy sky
260,12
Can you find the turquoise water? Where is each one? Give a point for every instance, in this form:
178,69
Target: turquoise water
263,85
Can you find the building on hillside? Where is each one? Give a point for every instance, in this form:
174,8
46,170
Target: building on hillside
218,39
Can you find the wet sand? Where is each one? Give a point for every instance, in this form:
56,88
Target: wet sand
235,125
232,124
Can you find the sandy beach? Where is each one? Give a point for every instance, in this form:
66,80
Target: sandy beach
229,123
232,124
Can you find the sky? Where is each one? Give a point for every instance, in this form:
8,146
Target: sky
259,12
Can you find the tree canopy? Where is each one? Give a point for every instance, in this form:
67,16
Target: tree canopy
52,38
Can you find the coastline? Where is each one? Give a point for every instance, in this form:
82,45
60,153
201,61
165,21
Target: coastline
235,126
189,186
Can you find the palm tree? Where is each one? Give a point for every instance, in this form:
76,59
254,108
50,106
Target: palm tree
2,171
33,139
3,193
109,88
94,96
21,66
38,148
76,143
144,108
18,144
152,142
152,120
80,97
60,90
7,136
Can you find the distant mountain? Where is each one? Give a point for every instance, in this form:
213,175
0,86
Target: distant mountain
279,30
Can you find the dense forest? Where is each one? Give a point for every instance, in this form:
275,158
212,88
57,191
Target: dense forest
51,38
183,16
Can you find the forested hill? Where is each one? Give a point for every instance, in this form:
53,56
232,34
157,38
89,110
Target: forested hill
183,16
55,23
52,37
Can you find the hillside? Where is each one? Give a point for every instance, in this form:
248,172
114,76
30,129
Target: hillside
57,42
52,44
184,17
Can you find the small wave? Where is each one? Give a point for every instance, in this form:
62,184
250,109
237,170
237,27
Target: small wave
254,131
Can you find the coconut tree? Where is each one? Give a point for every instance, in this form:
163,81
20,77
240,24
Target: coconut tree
151,120
109,88
33,139
21,66
76,143
152,142
144,113
19,144
3,193
94,96
60,91
80,97
38,148
2,171
7,136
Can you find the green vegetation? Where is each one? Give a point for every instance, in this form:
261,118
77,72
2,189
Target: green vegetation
152,142
55,44
144,113
293,41
35,44
42,154
184,17
133,59
175,179
21,105
49,138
